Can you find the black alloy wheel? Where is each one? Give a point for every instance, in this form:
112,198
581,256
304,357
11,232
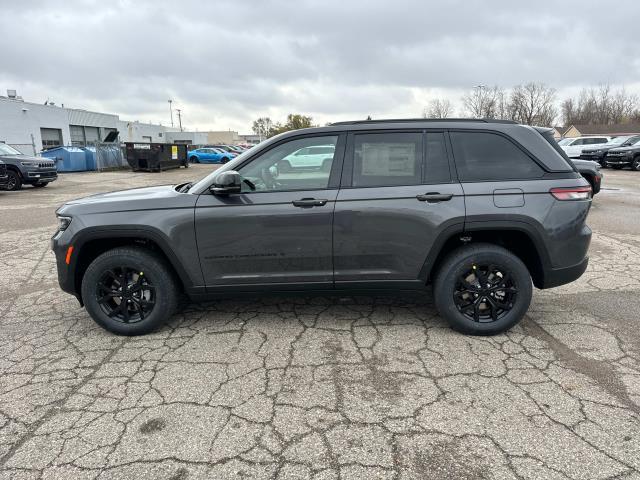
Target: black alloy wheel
125,294
485,293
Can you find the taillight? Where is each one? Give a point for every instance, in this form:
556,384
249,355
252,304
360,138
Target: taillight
571,193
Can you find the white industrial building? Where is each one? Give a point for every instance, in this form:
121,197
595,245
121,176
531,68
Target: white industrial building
33,127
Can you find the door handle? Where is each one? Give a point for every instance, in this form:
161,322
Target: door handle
434,197
309,202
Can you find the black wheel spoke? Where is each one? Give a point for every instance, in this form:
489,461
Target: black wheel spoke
489,297
122,298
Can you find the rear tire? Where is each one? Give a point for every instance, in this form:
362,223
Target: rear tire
194,159
151,291
463,297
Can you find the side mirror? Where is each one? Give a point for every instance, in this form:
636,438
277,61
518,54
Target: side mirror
226,183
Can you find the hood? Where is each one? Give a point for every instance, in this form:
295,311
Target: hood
625,149
24,158
585,164
137,199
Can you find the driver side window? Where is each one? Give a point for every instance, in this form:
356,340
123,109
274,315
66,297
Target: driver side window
302,164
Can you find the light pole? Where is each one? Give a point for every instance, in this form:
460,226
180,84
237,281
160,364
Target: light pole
179,118
480,88
171,111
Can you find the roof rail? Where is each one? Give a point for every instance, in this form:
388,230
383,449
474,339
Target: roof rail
422,120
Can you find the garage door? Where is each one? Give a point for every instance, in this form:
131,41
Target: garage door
51,137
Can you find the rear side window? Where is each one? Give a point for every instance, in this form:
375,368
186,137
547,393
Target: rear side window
481,156
387,159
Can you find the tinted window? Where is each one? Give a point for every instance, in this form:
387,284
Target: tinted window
385,159
437,165
286,168
489,156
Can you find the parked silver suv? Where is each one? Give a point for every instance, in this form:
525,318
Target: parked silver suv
479,209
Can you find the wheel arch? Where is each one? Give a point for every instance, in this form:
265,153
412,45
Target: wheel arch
93,243
518,237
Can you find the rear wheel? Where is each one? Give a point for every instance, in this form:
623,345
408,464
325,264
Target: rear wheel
482,289
14,181
129,291
224,160
194,159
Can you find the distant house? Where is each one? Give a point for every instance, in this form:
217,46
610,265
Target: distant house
610,130
558,132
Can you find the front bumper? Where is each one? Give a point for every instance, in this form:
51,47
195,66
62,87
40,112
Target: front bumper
42,175
66,279
618,160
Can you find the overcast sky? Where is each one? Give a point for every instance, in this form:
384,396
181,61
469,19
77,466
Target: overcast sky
225,63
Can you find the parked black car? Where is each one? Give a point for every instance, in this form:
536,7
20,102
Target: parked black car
624,157
4,178
479,209
591,172
21,169
598,154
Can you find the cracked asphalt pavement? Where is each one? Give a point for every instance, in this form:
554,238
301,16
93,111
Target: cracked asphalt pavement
322,388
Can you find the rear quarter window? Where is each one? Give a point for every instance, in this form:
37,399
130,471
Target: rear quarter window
485,156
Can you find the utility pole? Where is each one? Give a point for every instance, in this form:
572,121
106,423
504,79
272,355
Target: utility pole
179,118
171,111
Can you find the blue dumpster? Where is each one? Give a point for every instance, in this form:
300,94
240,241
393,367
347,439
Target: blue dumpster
68,159
90,155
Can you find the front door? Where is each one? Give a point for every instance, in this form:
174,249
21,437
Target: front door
392,207
276,233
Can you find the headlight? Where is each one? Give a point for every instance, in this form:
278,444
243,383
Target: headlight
63,223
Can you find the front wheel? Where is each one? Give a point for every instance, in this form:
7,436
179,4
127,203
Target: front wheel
129,291
14,181
636,164
482,289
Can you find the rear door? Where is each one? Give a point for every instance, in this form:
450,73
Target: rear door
398,194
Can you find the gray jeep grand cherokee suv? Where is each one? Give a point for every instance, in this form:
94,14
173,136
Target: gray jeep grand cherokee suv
479,209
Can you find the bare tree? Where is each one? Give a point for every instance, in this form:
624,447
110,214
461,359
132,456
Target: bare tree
438,108
533,104
485,102
601,105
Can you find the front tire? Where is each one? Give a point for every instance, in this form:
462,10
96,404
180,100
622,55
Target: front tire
482,289
129,291
14,181
636,164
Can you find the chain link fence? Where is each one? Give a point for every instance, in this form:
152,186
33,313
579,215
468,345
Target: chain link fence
110,156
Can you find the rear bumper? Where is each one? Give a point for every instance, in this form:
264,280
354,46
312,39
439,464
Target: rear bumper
561,276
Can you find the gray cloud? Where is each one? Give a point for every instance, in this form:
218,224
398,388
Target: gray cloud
226,62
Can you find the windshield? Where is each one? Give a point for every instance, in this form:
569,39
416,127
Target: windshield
7,150
565,141
618,140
